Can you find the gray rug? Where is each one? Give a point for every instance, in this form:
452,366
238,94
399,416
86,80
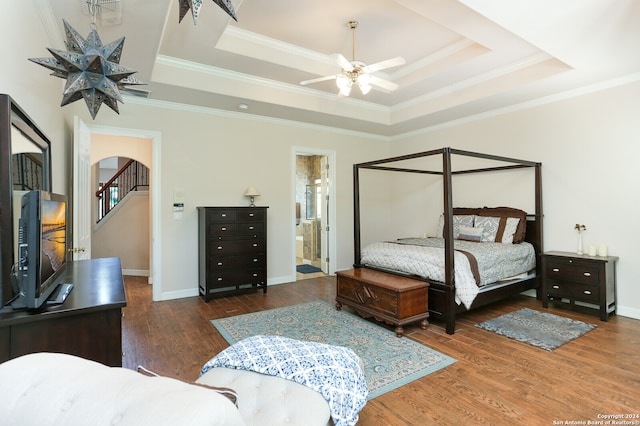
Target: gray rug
540,329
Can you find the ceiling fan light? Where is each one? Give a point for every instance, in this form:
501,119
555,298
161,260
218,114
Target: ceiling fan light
364,88
364,79
344,91
343,82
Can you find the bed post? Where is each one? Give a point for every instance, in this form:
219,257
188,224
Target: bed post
538,226
356,216
449,273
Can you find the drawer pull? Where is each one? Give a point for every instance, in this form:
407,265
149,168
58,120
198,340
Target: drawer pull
219,247
556,287
587,292
219,263
255,244
219,278
587,274
224,215
251,228
251,214
223,228
255,260
556,270
255,275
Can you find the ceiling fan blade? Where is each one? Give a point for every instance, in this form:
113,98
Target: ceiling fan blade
383,84
343,62
318,80
394,62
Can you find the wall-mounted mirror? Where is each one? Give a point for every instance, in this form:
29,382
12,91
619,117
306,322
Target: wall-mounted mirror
25,164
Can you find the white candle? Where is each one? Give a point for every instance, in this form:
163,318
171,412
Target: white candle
602,250
592,250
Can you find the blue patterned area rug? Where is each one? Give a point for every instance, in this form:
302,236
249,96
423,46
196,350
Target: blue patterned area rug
546,331
389,361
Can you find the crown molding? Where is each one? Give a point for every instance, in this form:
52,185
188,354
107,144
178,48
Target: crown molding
155,103
273,44
167,70
473,81
557,97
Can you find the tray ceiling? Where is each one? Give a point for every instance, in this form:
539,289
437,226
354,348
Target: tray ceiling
464,58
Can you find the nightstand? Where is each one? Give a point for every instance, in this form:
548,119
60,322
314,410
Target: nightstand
574,277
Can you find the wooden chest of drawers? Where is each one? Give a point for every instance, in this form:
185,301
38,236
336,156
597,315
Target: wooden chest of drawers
573,277
386,297
232,246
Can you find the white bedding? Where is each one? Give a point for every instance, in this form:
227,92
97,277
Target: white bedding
424,257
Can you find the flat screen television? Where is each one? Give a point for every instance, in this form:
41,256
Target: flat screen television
42,237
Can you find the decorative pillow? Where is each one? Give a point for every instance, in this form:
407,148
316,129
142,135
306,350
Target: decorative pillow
468,233
498,229
510,229
490,226
458,221
508,212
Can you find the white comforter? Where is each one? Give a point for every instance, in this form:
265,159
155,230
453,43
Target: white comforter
424,257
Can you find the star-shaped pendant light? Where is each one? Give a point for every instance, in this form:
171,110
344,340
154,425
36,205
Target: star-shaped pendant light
195,5
92,71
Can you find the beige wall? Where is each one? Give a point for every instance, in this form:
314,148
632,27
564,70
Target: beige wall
30,85
214,156
107,146
124,233
589,148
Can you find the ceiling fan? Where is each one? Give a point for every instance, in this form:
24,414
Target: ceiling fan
357,72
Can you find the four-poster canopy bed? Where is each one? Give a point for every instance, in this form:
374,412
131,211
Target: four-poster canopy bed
443,302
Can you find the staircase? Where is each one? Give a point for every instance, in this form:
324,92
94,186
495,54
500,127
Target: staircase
133,176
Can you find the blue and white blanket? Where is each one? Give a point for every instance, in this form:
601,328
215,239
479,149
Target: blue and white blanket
334,371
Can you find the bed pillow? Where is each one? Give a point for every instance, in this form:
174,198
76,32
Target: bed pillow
473,211
489,227
470,233
458,221
510,230
508,212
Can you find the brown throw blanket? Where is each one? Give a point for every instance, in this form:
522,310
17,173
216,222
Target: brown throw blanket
473,264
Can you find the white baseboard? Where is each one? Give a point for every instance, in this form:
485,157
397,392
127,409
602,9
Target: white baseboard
280,280
136,272
623,311
171,295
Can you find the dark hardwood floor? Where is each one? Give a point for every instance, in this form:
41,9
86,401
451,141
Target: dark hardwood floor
495,381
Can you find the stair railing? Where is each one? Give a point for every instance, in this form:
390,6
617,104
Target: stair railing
27,171
133,176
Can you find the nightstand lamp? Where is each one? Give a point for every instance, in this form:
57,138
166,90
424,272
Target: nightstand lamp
251,192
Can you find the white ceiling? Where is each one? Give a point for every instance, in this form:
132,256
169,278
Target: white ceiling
464,58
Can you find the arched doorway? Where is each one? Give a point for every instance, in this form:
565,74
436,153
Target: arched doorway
104,142
122,215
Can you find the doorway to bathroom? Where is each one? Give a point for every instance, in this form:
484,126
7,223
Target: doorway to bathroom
313,213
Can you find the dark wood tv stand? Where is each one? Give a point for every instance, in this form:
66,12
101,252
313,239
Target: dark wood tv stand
88,324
